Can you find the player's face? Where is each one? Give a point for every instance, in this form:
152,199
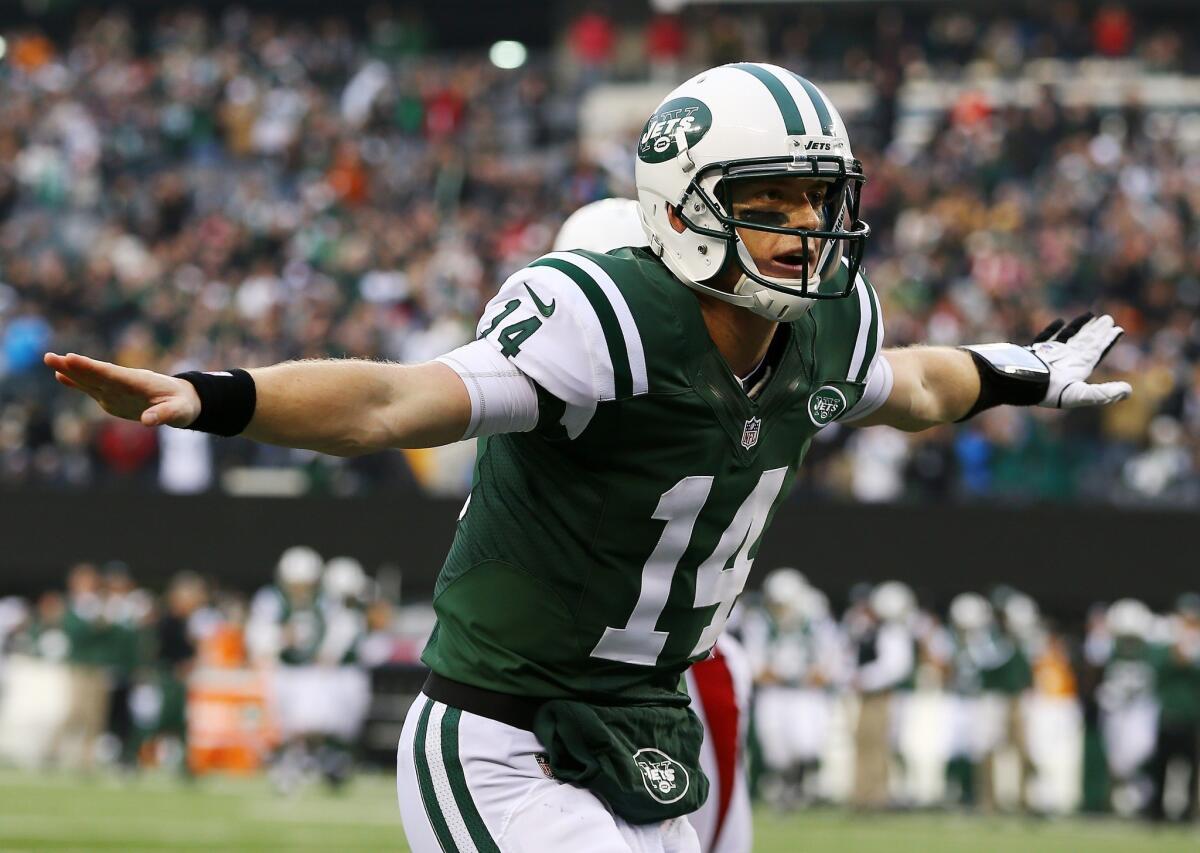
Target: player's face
781,203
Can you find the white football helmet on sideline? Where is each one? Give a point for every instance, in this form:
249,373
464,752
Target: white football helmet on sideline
1129,617
601,226
893,601
783,586
737,122
970,611
344,579
299,566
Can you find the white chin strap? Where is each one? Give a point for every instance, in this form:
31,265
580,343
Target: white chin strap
772,304
752,296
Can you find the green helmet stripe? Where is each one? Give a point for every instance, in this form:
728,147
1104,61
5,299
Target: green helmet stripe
783,98
818,103
613,336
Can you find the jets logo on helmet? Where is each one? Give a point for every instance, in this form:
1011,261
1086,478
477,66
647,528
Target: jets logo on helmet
735,123
679,115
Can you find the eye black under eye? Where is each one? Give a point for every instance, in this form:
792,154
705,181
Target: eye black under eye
763,217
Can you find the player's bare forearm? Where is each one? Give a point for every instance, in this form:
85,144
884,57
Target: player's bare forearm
350,407
341,407
932,386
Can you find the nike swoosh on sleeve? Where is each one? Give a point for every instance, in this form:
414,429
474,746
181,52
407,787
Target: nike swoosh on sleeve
543,309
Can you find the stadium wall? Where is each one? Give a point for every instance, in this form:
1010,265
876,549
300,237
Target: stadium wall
1067,558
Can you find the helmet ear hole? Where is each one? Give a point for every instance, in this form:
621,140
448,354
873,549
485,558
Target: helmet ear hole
697,213
675,219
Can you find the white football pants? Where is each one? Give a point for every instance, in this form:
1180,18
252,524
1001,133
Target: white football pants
792,724
468,784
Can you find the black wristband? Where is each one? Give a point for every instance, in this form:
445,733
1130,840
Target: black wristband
1009,375
227,400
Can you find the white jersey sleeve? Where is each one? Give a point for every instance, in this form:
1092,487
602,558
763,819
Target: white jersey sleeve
880,379
264,632
553,321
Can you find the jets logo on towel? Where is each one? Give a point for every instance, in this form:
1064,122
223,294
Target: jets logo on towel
665,779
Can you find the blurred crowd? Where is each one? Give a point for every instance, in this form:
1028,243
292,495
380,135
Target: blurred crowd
986,704
198,191
839,41
979,702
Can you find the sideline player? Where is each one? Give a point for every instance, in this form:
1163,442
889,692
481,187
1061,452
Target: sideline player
644,414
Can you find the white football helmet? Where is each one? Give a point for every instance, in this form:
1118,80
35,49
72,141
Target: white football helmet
601,226
344,579
748,120
1021,613
1129,617
784,586
814,605
970,611
893,601
299,566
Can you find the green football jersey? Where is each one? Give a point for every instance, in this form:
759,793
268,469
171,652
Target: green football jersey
301,621
599,554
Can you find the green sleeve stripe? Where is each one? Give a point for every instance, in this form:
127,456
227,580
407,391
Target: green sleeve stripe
792,120
859,355
458,784
878,342
425,782
819,104
872,332
616,298
613,336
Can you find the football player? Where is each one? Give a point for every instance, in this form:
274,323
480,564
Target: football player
794,650
641,414
1128,704
979,654
347,698
284,633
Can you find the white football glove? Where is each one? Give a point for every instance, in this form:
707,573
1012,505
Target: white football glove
1072,353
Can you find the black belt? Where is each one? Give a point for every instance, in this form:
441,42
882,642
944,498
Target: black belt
515,711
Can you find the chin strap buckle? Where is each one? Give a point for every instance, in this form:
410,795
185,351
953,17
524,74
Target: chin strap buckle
684,157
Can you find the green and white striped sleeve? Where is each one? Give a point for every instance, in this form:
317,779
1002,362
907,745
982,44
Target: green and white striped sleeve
563,323
867,364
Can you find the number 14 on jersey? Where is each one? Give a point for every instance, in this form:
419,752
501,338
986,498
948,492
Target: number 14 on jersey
639,641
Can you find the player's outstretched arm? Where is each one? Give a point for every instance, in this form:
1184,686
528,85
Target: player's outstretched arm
931,386
341,407
937,385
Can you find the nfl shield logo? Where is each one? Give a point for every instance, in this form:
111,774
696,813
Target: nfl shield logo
750,433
